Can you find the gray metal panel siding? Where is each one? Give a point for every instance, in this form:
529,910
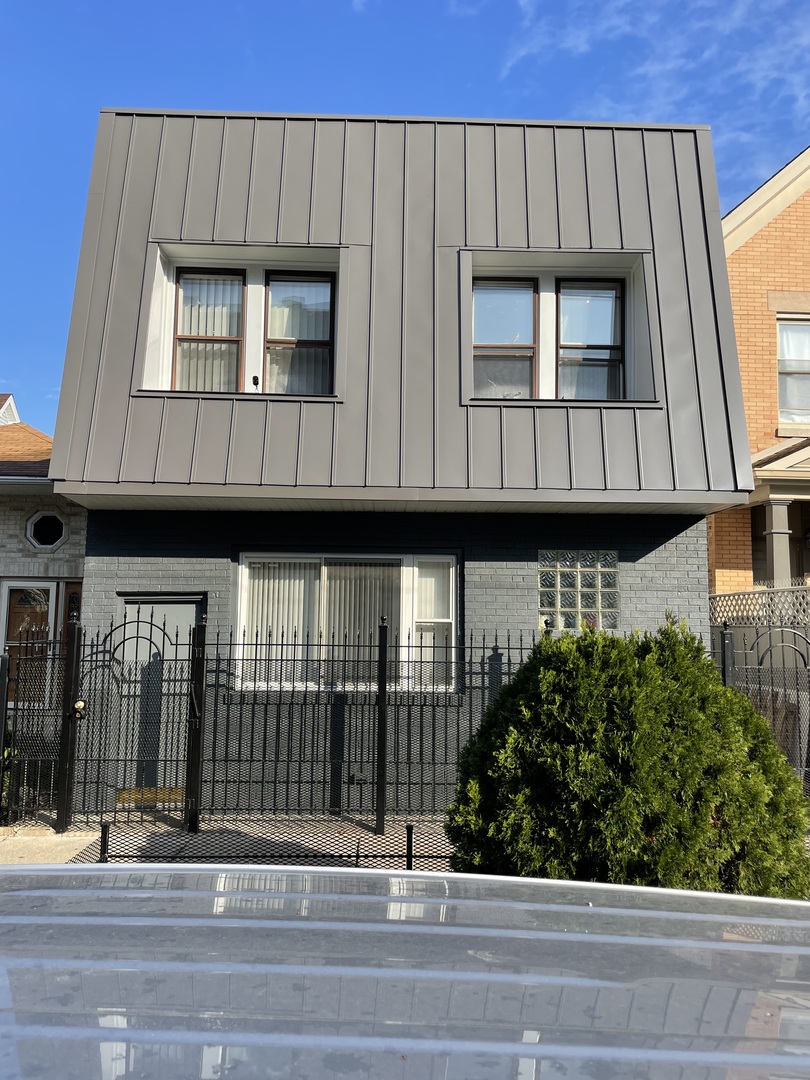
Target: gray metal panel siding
281,443
704,326
351,418
586,447
554,461
621,453
296,182
82,299
675,315
358,186
450,423
203,179
418,378
511,179
519,450
247,442
451,216
603,196
403,198
735,410
385,404
317,425
212,442
142,440
170,200
234,181
112,394
572,189
177,441
655,452
100,272
482,230
541,178
265,182
631,174
327,184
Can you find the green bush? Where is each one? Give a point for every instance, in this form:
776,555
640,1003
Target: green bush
626,760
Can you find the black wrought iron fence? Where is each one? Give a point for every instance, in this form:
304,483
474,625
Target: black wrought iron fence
771,665
141,724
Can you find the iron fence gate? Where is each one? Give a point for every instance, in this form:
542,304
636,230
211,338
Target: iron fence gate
771,665
141,724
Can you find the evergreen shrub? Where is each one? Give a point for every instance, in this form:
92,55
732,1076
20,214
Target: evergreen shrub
627,760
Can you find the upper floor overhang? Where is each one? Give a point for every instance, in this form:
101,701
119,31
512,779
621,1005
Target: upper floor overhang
394,395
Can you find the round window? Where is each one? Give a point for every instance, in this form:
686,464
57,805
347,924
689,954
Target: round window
46,530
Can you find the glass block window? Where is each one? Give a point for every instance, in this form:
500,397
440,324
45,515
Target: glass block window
577,587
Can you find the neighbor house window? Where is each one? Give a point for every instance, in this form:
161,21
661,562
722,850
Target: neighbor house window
299,347
541,338
504,339
590,340
794,370
208,333
577,587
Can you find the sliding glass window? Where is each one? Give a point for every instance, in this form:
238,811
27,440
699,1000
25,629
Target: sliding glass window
300,334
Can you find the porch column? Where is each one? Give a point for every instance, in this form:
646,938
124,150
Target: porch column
777,541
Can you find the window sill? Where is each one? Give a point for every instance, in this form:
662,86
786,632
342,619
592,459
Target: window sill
237,395
566,403
793,430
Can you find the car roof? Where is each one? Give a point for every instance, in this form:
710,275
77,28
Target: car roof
238,971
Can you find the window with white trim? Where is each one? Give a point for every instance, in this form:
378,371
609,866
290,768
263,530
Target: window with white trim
309,609
577,587
532,343
793,352
242,321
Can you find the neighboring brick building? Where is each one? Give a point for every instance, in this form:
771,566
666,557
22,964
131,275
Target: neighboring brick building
767,240
42,535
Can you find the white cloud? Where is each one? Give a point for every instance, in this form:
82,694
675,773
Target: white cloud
740,66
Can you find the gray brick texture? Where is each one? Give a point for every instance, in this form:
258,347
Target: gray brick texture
662,559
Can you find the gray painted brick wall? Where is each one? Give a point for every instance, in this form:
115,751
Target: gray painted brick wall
662,559
20,559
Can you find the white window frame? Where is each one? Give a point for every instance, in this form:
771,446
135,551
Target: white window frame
409,569
159,298
642,363
793,427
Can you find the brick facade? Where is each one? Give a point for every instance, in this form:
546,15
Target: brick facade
662,565
20,559
776,259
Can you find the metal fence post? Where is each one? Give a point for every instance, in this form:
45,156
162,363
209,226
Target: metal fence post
4,732
72,712
196,714
382,725
727,656
494,673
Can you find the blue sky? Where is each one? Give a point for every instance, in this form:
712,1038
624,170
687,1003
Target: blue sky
739,65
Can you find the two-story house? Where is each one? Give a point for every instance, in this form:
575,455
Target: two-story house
767,241
474,375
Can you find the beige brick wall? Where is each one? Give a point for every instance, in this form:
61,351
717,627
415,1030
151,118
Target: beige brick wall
776,259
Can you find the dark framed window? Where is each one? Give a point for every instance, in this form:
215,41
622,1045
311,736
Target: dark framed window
300,333
590,340
504,338
208,340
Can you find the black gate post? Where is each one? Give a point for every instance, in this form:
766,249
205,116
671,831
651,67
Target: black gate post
727,656
4,732
72,711
194,744
382,725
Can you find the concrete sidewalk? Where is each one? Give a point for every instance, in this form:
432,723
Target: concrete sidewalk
40,844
